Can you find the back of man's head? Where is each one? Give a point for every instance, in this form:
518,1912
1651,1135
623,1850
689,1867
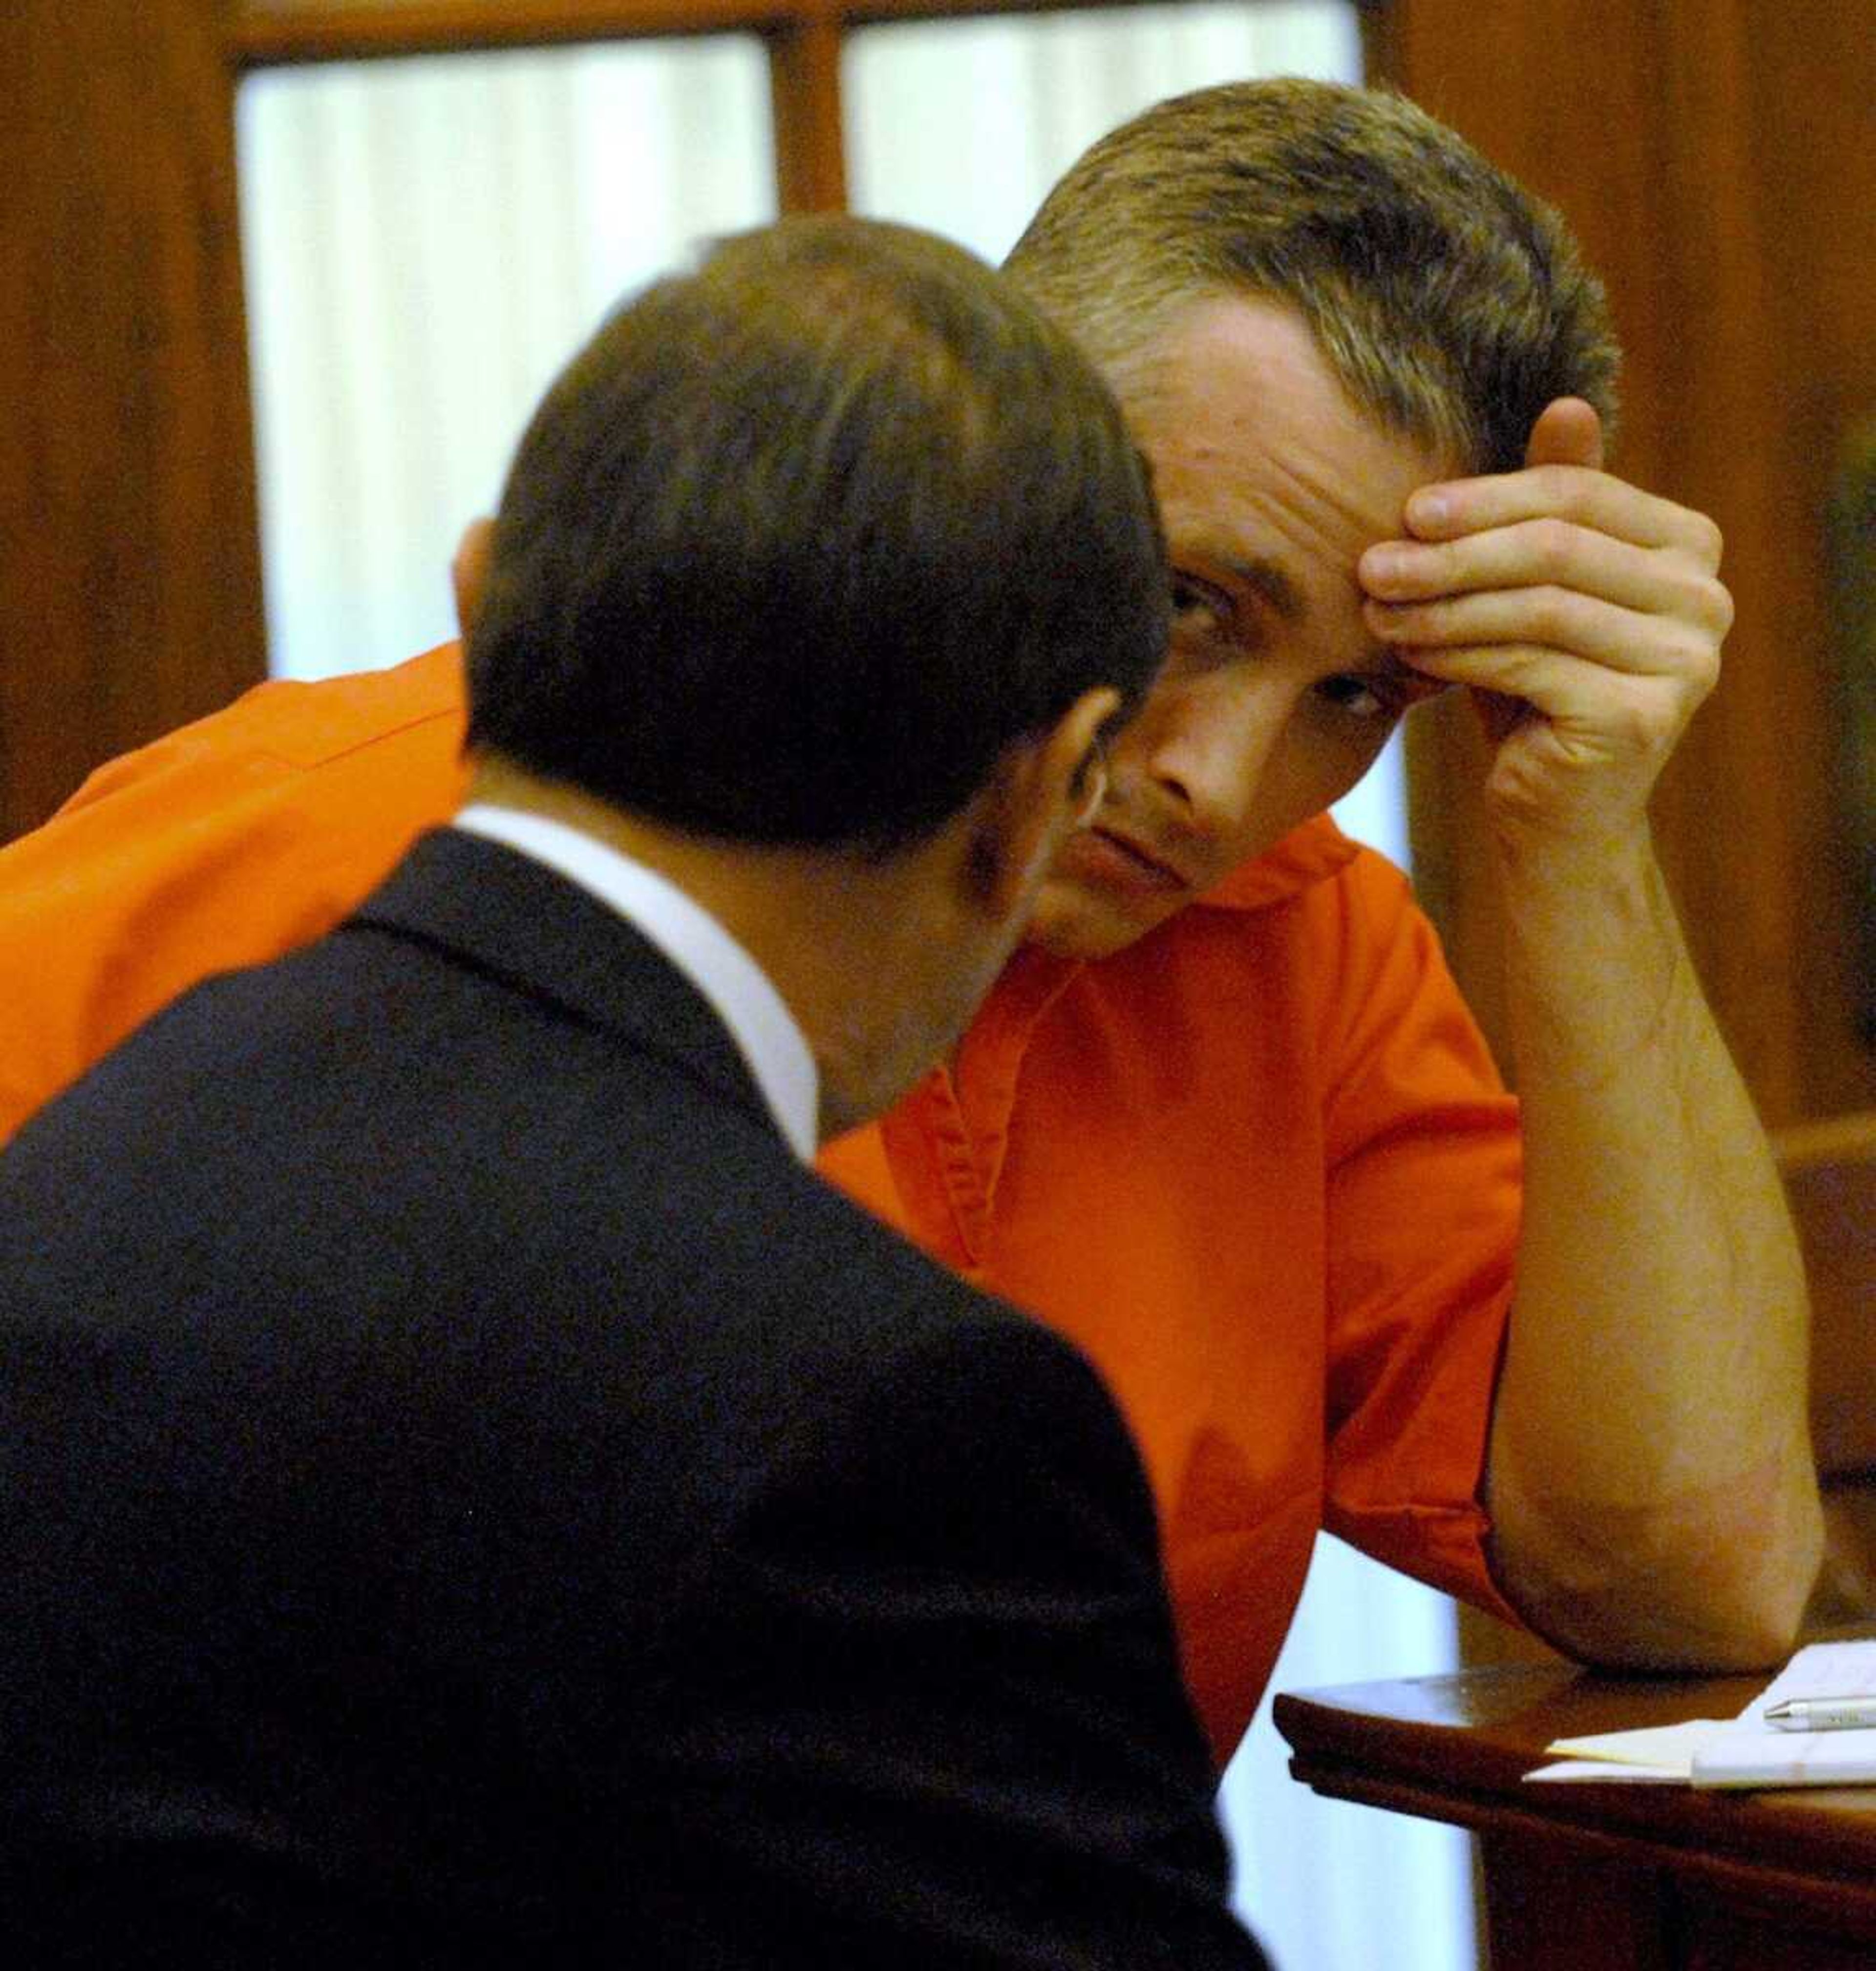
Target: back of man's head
1451,303
804,540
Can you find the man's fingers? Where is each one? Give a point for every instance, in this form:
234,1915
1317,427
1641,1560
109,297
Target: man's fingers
1546,553
1591,499
1609,715
1552,584
1560,620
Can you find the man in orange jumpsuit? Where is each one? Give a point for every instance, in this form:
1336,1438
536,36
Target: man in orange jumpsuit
1224,1120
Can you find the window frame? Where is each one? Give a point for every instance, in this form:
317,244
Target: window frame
804,40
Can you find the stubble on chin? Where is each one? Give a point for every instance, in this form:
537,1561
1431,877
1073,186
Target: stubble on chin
1068,923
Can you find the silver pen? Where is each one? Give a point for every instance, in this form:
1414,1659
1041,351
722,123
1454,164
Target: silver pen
1822,1714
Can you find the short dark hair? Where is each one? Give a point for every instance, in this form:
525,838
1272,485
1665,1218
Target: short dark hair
1451,303
804,539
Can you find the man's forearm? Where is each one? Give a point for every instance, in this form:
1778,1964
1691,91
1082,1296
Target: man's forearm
1652,1491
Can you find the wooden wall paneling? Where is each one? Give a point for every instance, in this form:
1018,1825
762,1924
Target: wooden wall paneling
1809,96
1716,270
1747,811
130,588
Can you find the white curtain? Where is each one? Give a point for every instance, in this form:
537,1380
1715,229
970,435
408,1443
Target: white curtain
427,241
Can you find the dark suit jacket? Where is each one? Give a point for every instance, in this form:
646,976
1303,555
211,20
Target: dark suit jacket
467,1494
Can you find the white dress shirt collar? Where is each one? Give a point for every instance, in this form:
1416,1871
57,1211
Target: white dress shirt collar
764,1031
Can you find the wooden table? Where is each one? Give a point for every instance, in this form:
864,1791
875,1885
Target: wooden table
1603,1878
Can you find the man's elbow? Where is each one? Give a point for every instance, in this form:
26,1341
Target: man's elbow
1714,1585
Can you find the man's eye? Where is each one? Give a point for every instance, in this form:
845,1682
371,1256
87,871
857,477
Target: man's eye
1195,606
1357,698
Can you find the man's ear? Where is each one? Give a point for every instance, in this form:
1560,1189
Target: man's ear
1044,788
469,571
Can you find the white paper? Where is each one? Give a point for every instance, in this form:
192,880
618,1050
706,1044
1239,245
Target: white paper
1742,1751
1660,1752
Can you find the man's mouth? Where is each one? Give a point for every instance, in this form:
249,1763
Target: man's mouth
1116,860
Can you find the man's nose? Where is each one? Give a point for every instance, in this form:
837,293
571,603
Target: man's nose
1213,760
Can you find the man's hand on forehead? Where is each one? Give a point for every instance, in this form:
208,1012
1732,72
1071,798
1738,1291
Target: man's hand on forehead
1595,606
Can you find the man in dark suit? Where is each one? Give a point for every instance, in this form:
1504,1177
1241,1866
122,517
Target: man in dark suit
470,1493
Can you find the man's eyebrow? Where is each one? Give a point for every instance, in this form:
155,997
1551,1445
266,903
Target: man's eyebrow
1270,582
1266,579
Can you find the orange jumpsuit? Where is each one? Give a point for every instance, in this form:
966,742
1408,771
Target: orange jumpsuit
1259,1164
